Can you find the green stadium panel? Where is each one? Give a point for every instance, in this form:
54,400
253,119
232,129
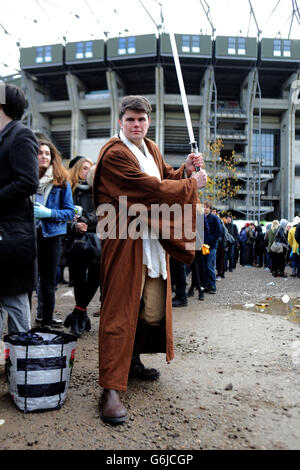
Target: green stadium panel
42,56
85,51
13,80
277,49
236,47
188,45
132,47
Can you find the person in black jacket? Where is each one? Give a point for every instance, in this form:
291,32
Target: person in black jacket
198,278
249,246
223,245
230,255
18,181
297,234
84,267
211,237
259,247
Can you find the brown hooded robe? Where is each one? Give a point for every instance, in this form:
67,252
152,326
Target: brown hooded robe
118,174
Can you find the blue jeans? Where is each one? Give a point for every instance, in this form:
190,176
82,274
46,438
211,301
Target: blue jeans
230,256
242,253
209,268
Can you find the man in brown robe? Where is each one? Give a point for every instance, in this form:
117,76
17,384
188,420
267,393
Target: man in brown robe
136,304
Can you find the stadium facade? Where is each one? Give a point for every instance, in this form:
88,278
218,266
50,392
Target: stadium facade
239,89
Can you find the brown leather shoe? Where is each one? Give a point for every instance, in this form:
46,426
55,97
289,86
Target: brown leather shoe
111,409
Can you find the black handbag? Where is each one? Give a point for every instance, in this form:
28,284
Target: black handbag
17,241
87,244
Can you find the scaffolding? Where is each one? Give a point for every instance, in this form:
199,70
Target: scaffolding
255,176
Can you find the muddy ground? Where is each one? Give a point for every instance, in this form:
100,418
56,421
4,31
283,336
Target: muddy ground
234,382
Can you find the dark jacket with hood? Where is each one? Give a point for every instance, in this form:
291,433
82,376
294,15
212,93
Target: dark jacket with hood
212,230
233,230
18,181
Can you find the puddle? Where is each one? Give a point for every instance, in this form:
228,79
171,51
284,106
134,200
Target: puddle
284,306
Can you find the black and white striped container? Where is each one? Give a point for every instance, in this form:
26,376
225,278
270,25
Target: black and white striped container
38,368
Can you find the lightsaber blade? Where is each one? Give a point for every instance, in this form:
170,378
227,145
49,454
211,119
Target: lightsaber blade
188,120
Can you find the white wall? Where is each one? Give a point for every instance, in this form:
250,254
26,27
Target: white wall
297,152
297,187
90,148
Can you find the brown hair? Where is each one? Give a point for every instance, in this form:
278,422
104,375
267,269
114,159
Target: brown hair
75,170
60,173
134,103
208,204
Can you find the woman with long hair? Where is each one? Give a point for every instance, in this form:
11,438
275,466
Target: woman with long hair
83,262
53,207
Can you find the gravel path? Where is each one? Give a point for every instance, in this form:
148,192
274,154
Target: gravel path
234,383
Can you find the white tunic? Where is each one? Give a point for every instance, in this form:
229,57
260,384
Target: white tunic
154,256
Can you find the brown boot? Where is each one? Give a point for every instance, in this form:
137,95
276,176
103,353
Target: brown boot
111,409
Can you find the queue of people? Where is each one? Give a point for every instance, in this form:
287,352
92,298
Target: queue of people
252,246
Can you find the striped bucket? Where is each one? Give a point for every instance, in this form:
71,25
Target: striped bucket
38,368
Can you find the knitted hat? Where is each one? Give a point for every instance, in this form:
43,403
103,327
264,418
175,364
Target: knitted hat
74,160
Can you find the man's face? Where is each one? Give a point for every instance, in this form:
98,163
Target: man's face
135,125
206,210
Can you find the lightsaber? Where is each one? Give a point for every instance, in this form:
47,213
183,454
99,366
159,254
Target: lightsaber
188,120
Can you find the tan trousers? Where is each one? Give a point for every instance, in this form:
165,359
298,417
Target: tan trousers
153,292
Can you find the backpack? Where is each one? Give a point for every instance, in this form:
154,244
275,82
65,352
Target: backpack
228,238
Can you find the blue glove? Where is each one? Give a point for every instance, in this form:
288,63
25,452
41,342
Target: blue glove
41,212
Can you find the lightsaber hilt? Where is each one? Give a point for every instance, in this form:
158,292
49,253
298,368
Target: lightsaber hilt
194,149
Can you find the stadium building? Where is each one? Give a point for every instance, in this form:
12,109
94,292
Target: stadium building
239,89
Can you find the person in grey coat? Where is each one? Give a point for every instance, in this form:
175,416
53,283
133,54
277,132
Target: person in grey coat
18,181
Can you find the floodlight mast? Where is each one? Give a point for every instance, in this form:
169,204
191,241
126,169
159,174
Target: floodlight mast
158,26
207,13
253,14
295,14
